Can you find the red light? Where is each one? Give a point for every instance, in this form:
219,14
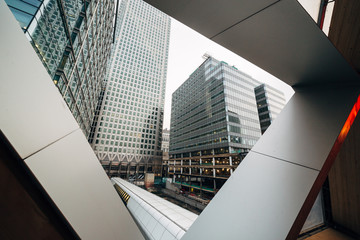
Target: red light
304,212
349,121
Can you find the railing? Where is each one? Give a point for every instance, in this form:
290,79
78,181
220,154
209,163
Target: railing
210,174
223,175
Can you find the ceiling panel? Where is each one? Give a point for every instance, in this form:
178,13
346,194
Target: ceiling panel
210,17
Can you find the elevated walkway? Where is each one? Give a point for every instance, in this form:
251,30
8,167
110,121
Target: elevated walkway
156,217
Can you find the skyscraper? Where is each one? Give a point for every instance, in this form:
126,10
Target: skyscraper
127,138
270,102
214,123
73,40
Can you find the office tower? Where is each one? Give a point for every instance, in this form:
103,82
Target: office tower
270,102
127,139
73,41
214,123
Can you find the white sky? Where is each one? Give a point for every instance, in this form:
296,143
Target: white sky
185,54
187,48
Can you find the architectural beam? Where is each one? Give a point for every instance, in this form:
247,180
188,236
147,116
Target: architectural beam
278,36
272,191
40,128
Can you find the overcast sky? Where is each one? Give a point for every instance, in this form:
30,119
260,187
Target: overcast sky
187,48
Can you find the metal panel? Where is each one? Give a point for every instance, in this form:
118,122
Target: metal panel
290,46
260,201
306,129
33,113
303,136
73,177
261,190
210,17
38,124
282,38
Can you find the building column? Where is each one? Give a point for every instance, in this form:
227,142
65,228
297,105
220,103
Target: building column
190,167
127,170
174,168
213,162
230,163
181,166
137,170
119,169
109,170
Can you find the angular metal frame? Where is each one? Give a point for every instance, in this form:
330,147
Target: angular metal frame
271,193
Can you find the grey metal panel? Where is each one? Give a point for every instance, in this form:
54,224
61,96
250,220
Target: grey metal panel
281,39
263,198
290,46
209,17
33,114
306,129
38,124
260,201
71,174
262,193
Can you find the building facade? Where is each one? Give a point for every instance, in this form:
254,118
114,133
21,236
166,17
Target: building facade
73,40
214,123
270,102
127,137
165,151
165,140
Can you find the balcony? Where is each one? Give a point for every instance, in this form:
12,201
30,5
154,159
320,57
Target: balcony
224,172
207,172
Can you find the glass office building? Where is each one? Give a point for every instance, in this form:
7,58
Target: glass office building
214,123
270,102
127,138
73,40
